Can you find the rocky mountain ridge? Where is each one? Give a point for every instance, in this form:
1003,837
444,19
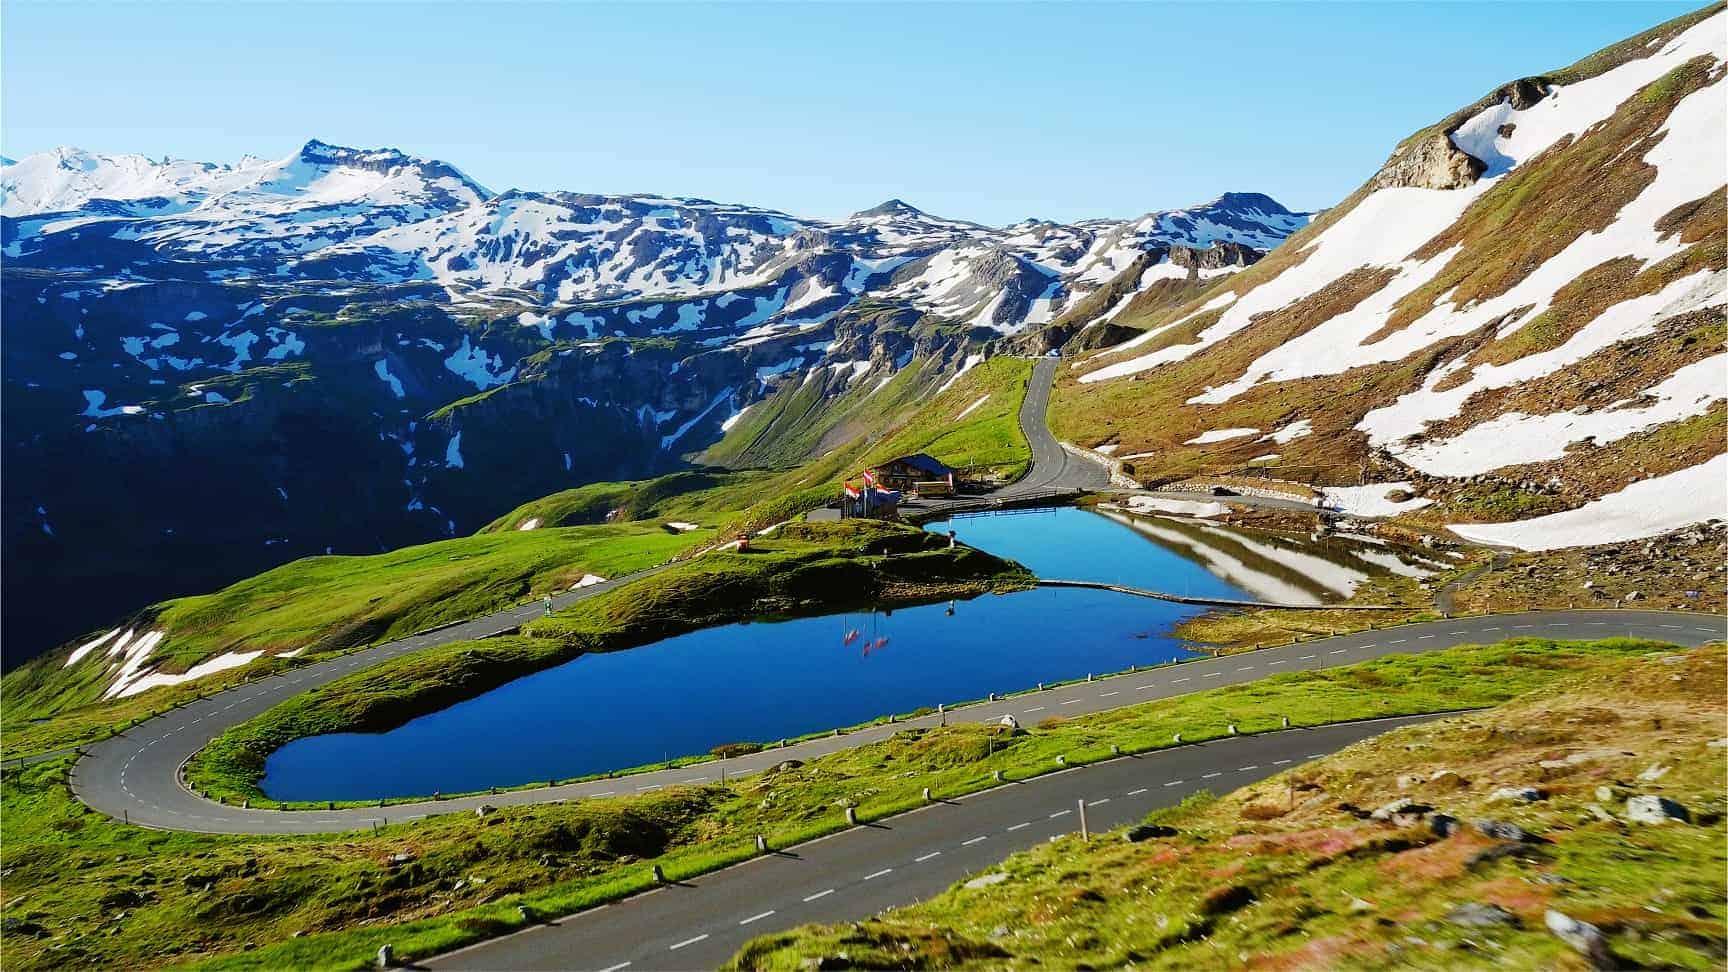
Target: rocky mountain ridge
354,349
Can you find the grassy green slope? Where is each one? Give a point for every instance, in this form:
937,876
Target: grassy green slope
906,415
797,423
1290,874
679,495
321,604
235,902
987,442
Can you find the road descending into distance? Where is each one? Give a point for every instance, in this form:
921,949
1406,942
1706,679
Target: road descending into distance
1053,467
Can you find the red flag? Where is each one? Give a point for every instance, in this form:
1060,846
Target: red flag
869,477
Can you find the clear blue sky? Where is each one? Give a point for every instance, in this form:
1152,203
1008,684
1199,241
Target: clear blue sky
989,112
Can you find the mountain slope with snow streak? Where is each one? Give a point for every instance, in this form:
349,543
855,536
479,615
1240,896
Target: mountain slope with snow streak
361,349
1527,299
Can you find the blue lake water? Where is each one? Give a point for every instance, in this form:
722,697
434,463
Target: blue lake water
1074,544
766,681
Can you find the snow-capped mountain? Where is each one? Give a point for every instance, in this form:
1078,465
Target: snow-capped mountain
569,248
358,348
1520,314
331,213
69,200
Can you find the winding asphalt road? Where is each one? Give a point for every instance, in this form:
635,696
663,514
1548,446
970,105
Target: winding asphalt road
1053,467
135,776
863,870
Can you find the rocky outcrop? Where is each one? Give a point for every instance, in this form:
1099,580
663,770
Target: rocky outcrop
1429,162
1652,809
1221,255
1582,937
1524,92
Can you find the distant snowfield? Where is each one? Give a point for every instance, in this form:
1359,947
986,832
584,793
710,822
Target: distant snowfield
1155,504
1220,435
1516,437
1371,500
968,410
1646,508
221,663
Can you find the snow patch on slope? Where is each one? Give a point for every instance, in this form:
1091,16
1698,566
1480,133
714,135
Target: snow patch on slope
1644,509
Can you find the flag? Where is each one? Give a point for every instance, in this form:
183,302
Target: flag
851,490
869,477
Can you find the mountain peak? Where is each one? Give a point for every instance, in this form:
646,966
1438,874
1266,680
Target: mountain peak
893,207
1249,202
317,152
